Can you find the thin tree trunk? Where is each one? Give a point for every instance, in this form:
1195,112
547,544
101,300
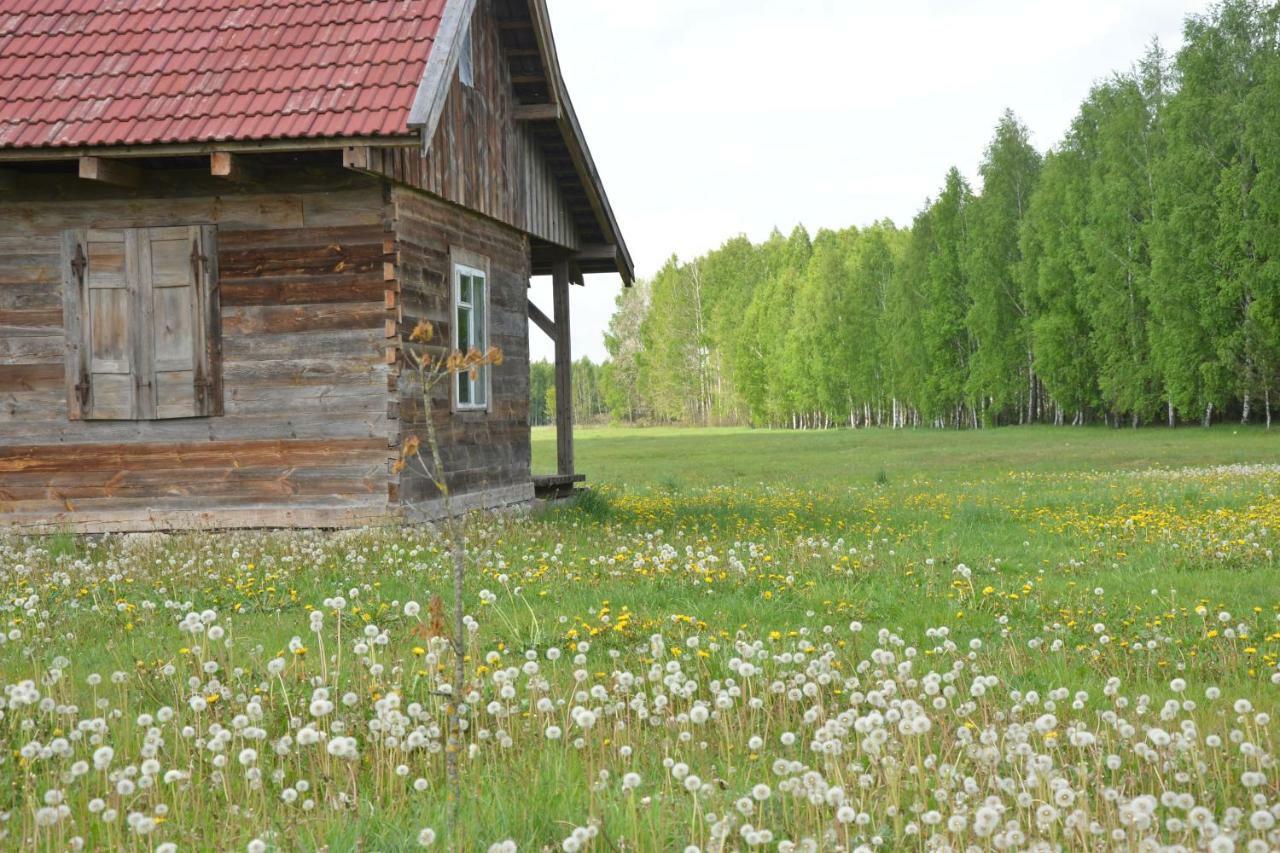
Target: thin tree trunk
1208,414
1244,410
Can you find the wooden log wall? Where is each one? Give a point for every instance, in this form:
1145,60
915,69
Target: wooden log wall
305,438
481,158
485,453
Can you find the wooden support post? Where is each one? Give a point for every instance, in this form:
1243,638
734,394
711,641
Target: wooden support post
564,367
107,171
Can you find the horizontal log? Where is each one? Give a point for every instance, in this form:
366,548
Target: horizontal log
258,319
29,377
309,425
28,267
40,295
117,515
298,261
274,372
243,239
32,349
30,322
315,289
227,480
354,344
86,458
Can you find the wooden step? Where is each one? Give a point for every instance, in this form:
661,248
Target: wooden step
552,487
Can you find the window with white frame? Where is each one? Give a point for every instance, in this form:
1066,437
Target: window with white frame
471,331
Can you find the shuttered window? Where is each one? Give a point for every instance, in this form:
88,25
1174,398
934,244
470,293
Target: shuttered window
142,323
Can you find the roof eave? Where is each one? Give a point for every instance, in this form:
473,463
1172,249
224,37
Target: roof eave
433,91
192,149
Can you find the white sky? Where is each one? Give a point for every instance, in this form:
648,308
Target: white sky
711,118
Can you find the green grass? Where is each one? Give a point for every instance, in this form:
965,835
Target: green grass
635,457
1068,556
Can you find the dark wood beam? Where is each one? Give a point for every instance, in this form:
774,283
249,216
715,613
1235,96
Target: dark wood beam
108,171
542,321
528,79
597,252
537,112
564,368
233,167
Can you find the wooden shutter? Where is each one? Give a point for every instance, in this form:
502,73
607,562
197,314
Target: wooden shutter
142,323
180,299
102,327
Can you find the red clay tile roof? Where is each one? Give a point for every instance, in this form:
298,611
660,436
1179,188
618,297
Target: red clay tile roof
136,72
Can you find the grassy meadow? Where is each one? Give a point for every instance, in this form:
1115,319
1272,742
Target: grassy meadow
738,640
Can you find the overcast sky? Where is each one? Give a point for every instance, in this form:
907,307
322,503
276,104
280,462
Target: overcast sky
711,118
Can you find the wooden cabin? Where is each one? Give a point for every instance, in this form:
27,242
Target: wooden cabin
220,220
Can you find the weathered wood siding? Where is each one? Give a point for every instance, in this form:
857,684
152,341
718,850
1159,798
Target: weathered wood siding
306,435
481,158
486,454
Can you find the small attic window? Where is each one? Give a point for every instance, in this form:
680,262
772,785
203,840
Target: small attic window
466,73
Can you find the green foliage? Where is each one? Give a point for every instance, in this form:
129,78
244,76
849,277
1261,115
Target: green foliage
1131,275
999,316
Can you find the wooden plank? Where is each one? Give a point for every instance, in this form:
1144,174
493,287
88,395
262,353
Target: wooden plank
109,171
537,112
275,319
70,458
30,322
235,240
183,514
27,266
429,100
563,368
237,263
45,218
21,378
343,344
304,290
32,349
248,484
542,321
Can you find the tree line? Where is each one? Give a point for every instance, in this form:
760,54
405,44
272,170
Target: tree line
588,397
1129,275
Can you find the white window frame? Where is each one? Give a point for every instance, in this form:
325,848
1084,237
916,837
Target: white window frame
473,268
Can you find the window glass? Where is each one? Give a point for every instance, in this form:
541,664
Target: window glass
471,332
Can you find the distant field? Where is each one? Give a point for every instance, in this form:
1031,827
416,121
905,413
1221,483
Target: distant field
737,640
642,457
